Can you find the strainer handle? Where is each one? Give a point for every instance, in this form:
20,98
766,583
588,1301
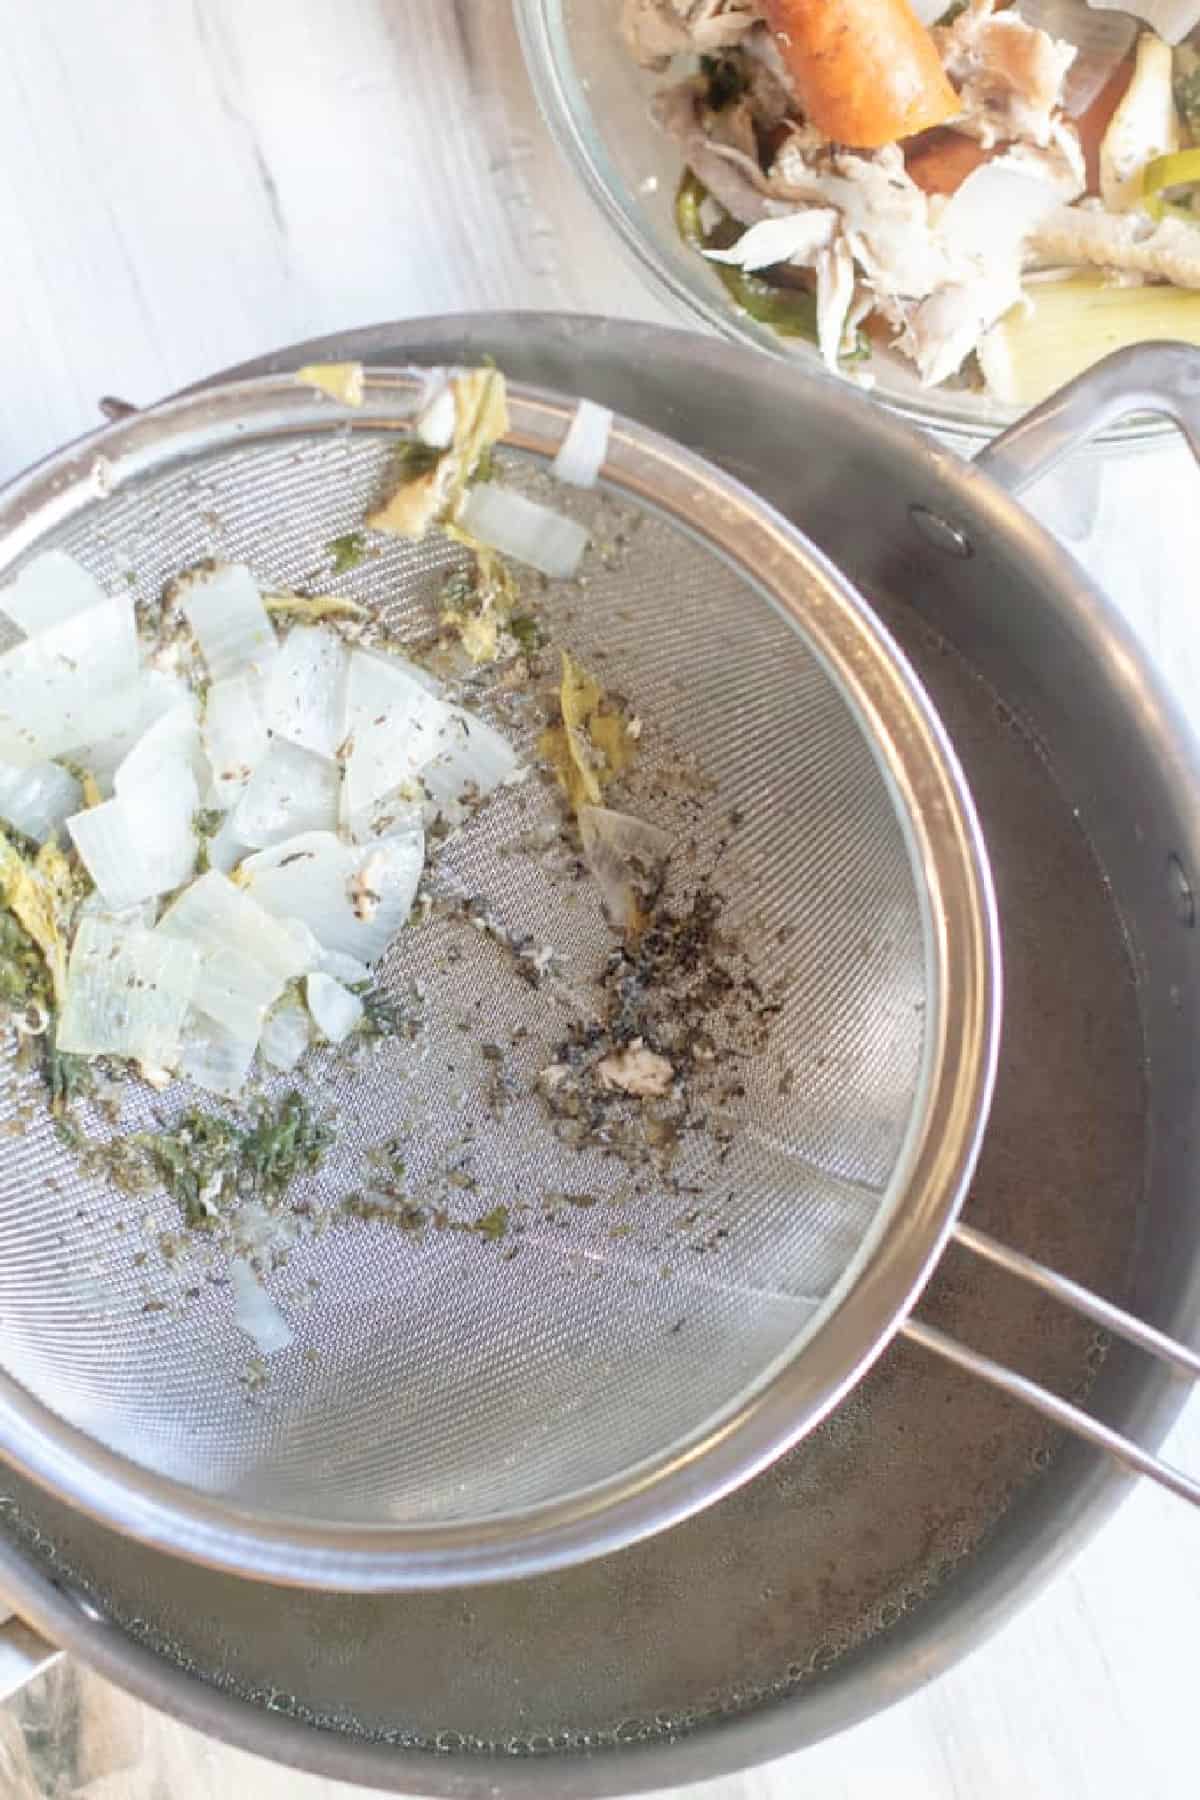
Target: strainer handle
1147,378
1182,1360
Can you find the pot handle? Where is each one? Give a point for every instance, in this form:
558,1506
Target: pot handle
1182,1360
1146,378
24,1655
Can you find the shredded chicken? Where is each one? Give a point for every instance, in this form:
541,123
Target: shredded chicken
637,1071
734,180
657,30
1169,251
1009,74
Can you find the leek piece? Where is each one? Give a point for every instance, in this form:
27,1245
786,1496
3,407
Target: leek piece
1180,169
1062,327
127,993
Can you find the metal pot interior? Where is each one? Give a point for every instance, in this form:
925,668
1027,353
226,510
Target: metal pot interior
925,1509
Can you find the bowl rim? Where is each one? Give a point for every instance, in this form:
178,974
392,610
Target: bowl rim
564,107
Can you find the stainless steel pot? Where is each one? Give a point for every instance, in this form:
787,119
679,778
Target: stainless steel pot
944,551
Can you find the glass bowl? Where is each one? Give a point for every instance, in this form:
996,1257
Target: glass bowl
596,102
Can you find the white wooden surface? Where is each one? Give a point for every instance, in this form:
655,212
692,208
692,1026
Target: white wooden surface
184,183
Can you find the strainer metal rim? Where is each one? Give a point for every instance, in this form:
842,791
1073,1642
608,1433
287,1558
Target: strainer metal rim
903,1246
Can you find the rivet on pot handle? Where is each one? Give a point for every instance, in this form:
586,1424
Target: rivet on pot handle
1148,378
1065,1413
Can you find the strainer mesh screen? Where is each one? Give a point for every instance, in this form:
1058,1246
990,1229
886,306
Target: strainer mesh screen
442,1373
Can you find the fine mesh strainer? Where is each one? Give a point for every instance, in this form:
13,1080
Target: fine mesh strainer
644,1335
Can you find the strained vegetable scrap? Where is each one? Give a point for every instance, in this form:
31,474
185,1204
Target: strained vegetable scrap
869,173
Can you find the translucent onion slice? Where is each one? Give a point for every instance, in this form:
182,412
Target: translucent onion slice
50,589
171,743
391,728
128,992
225,848
473,760
68,685
225,610
215,1058
523,529
583,450
286,1034
353,897
37,800
143,842
247,956
290,791
305,692
151,694
254,1311
336,1012
627,857
235,734
346,969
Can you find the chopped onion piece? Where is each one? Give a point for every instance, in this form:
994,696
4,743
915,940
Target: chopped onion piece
1172,20
523,529
67,685
627,857
224,608
215,1058
127,994
290,791
929,11
391,659
225,848
392,727
171,745
247,956
143,842
473,761
50,589
151,694
254,1311
305,692
235,734
335,1010
354,897
1102,39
343,968
583,450
286,1034
36,800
